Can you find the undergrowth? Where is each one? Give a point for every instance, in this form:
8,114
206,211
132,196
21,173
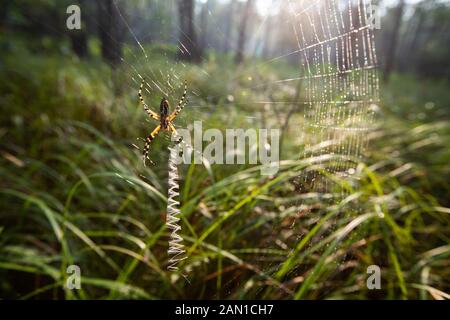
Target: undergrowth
74,191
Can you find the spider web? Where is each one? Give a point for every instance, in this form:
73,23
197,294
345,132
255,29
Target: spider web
338,67
338,73
337,70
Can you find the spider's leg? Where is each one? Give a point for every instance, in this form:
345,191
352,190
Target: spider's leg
151,113
148,141
172,129
181,104
174,114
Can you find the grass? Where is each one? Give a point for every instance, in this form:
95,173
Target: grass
74,191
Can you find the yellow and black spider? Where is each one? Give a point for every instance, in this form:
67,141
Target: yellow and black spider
165,119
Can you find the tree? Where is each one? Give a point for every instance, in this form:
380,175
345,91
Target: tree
408,48
242,32
204,25
111,30
268,37
228,26
189,48
392,42
5,5
78,38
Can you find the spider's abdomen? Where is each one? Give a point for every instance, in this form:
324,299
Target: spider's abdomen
164,113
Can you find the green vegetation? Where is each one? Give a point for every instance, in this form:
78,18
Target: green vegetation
74,191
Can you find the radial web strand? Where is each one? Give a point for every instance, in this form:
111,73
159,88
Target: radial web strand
338,68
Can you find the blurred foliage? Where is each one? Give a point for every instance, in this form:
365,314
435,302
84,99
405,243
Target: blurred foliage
422,49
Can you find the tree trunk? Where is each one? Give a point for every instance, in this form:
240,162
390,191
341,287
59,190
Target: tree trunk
391,50
5,5
204,26
111,31
189,49
228,27
267,38
78,40
417,33
242,32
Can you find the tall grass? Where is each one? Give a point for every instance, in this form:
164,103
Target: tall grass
74,191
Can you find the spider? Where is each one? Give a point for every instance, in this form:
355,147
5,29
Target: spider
165,119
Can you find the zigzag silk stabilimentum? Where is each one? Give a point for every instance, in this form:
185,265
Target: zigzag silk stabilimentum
176,249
